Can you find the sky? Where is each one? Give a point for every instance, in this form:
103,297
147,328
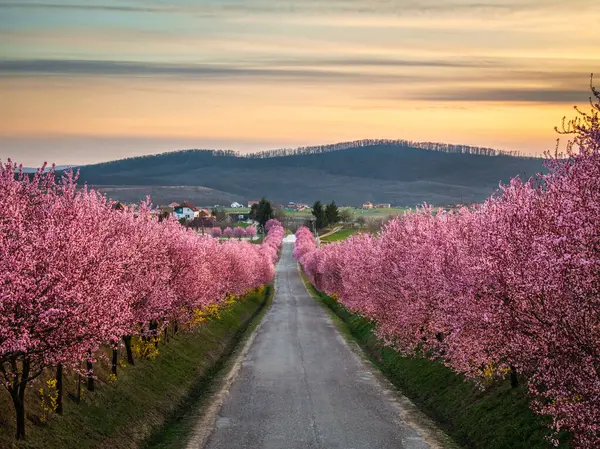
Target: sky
88,81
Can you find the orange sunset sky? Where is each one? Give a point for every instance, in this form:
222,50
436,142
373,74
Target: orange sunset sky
88,81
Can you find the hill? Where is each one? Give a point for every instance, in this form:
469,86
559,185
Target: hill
398,172
166,194
34,169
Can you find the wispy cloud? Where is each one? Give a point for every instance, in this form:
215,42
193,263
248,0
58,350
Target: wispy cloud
398,7
531,95
84,7
330,70
41,67
388,62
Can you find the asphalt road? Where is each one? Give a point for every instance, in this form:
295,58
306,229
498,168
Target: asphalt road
301,385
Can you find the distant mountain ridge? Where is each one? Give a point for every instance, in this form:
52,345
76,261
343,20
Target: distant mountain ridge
57,168
432,146
392,171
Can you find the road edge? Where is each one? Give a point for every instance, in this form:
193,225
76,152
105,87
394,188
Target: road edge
407,410
205,425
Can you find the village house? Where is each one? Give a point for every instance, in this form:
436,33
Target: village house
367,205
298,206
383,206
250,203
186,210
236,205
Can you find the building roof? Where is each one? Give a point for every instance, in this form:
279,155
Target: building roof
174,204
189,205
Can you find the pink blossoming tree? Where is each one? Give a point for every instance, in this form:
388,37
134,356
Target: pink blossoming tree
510,288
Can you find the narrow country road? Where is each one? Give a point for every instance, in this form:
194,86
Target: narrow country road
302,386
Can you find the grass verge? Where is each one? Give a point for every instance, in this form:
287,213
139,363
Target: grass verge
174,433
497,418
148,402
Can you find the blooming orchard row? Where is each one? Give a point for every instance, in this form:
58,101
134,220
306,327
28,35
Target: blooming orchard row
76,273
233,232
509,287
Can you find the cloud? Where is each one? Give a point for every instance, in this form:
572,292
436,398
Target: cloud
40,67
386,62
399,7
522,95
357,69
82,7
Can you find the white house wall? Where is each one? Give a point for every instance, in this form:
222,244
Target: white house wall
186,213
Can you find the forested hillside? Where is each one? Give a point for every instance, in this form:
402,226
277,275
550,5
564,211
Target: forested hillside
351,173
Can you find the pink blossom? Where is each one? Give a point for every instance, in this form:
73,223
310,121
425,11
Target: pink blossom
272,222
77,273
250,231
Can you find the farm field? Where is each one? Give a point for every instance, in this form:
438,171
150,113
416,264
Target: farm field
384,212
356,211
240,210
337,236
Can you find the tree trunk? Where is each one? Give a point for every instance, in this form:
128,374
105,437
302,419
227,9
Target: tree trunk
59,389
166,334
115,359
514,380
127,340
90,373
175,328
154,333
20,410
78,387
18,397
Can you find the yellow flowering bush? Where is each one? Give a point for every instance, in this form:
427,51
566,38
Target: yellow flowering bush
145,348
49,398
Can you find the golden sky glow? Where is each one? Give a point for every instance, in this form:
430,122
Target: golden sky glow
83,82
